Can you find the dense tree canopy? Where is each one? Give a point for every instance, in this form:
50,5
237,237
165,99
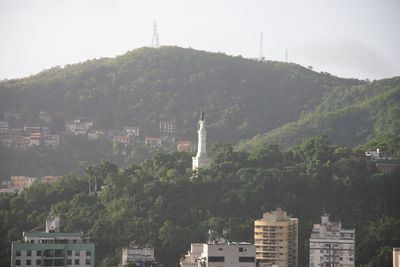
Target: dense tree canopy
159,202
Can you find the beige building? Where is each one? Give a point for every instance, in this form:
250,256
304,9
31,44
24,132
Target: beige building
396,257
276,240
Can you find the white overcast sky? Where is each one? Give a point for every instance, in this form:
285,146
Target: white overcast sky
348,38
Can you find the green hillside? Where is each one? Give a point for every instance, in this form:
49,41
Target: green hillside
157,203
242,97
348,115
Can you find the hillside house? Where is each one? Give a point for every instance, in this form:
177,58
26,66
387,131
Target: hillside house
32,128
151,141
21,143
122,139
4,128
184,146
51,141
131,131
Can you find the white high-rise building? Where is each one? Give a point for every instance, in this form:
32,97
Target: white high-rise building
201,159
330,245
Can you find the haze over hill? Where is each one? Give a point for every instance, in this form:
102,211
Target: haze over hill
242,97
354,39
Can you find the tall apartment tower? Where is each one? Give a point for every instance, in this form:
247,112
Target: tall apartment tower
201,159
330,245
276,240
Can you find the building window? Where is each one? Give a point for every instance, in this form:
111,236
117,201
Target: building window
87,261
350,259
38,253
220,249
18,262
76,261
59,253
38,262
247,259
69,252
69,262
240,249
28,262
77,252
18,253
29,253
32,241
88,253
48,262
59,262
216,259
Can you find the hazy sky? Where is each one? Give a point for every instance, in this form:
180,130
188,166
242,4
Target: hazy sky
348,38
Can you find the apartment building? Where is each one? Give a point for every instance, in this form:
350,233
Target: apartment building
276,240
330,245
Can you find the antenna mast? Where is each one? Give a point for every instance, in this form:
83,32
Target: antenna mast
155,42
261,52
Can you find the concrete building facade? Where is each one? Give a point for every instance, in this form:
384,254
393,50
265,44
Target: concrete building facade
330,245
396,257
276,240
229,254
52,248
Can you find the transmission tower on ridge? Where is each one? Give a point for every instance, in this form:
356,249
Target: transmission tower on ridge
155,42
261,52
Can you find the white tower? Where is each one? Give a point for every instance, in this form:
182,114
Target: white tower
201,159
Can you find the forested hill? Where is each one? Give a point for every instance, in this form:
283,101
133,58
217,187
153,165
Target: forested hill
242,97
348,115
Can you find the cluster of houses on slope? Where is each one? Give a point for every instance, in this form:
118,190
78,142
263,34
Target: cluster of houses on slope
38,135
17,183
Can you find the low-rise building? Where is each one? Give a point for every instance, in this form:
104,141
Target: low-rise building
78,127
11,115
331,245
167,128
17,132
32,128
217,254
151,141
35,139
21,143
4,128
21,181
52,248
44,116
131,131
184,146
49,179
112,133
141,256
6,140
122,139
51,141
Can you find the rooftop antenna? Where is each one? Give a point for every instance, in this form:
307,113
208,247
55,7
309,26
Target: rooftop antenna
261,52
155,42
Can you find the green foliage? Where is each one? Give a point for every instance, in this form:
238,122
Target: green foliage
349,115
242,97
158,203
